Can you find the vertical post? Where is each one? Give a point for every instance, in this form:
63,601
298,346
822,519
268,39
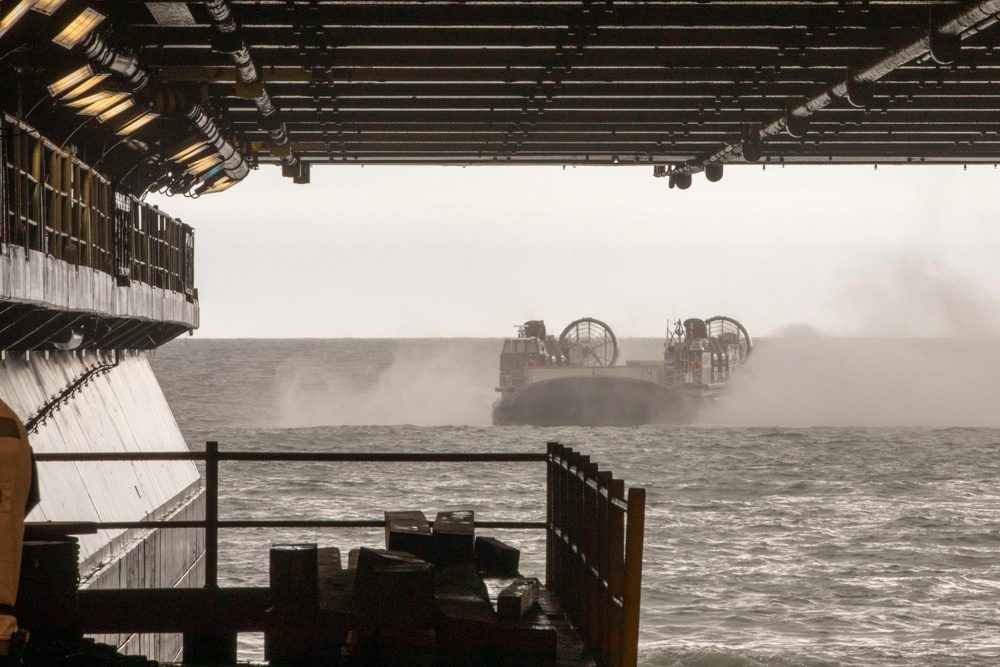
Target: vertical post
577,530
211,514
616,570
559,520
603,559
590,558
633,574
550,490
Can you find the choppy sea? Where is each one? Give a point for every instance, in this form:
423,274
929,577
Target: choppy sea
840,506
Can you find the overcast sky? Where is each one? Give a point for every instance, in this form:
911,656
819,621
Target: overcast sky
447,251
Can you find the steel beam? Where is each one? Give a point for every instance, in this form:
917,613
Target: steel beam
971,15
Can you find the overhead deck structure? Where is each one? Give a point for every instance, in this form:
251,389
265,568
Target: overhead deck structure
682,87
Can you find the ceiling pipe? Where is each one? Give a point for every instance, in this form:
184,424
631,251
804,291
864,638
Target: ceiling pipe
230,40
129,68
175,104
125,65
969,17
233,163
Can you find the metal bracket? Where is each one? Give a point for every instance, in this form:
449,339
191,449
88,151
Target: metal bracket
751,143
944,48
859,93
796,126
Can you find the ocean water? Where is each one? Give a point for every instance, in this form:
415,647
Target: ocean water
841,505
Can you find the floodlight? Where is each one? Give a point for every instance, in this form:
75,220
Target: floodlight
47,7
88,100
72,79
85,86
20,9
223,183
136,123
101,106
115,110
78,28
188,149
204,164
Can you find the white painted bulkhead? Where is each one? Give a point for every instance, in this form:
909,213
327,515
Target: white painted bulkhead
121,408
29,276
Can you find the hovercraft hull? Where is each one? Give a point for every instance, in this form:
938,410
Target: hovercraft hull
594,401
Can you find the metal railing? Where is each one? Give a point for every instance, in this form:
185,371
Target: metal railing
54,203
593,556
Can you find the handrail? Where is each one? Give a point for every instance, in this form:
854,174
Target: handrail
212,456
60,206
317,457
593,555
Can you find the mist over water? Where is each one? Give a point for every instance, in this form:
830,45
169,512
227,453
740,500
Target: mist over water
427,383
809,380
910,343
911,298
797,380
779,533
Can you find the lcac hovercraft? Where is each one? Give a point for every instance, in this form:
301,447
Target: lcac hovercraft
574,379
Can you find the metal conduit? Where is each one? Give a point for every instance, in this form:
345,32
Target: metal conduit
233,163
125,65
968,18
246,69
128,66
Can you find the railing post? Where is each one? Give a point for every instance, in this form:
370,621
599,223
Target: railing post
634,530
603,559
211,514
550,491
589,550
616,571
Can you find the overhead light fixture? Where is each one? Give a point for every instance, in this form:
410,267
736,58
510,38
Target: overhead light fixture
223,183
78,28
72,79
115,110
48,7
85,86
188,149
102,105
136,123
14,15
204,164
89,99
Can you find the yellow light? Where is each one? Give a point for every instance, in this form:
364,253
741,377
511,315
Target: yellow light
85,86
88,100
204,164
137,122
103,105
78,28
20,9
72,79
48,7
115,110
223,183
189,151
